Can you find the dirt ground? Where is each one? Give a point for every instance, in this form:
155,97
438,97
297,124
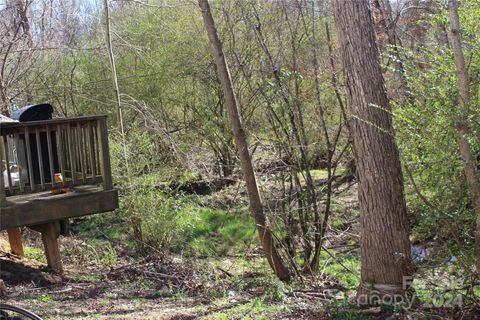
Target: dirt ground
155,289
176,288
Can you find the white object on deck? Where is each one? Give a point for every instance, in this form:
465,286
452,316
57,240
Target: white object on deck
6,119
13,174
13,169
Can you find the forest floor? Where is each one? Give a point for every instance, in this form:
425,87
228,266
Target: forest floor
109,282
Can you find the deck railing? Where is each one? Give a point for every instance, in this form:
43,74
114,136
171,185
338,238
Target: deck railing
53,155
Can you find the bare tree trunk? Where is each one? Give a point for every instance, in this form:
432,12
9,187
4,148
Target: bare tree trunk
111,57
463,128
5,101
256,207
334,76
116,88
384,245
22,10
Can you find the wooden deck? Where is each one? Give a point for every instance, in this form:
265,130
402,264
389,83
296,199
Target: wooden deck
51,171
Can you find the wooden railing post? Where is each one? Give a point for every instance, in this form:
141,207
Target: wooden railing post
79,144
104,154
29,159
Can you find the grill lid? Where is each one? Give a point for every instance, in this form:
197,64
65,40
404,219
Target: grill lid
35,112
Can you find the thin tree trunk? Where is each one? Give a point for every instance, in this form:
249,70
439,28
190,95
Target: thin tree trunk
388,24
298,131
321,227
334,76
288,149
115,78
463,128
256,207
22,10
384,244
5,101
301,162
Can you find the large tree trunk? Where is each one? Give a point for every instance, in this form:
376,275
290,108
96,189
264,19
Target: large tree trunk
384,244
463,128
256,207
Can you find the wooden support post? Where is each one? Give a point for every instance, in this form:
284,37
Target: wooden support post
104,154
15,239
50,243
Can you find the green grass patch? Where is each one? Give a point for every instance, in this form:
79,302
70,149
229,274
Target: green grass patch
173,222
164,221
35,254
339,224
318,174
338,268
105,227
218,232
97,251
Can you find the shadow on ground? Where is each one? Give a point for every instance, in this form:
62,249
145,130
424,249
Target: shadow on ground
15,271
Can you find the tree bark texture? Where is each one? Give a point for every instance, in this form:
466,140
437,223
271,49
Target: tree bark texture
384,244
256,207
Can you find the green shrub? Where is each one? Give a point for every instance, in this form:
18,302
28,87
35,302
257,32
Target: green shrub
176,222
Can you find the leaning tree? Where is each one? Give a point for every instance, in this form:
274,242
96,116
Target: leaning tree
384,244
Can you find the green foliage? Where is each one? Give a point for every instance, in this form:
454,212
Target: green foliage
274,289
143,154
217,232
176,222
95,251
34,253
428,139
45,298
345,268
